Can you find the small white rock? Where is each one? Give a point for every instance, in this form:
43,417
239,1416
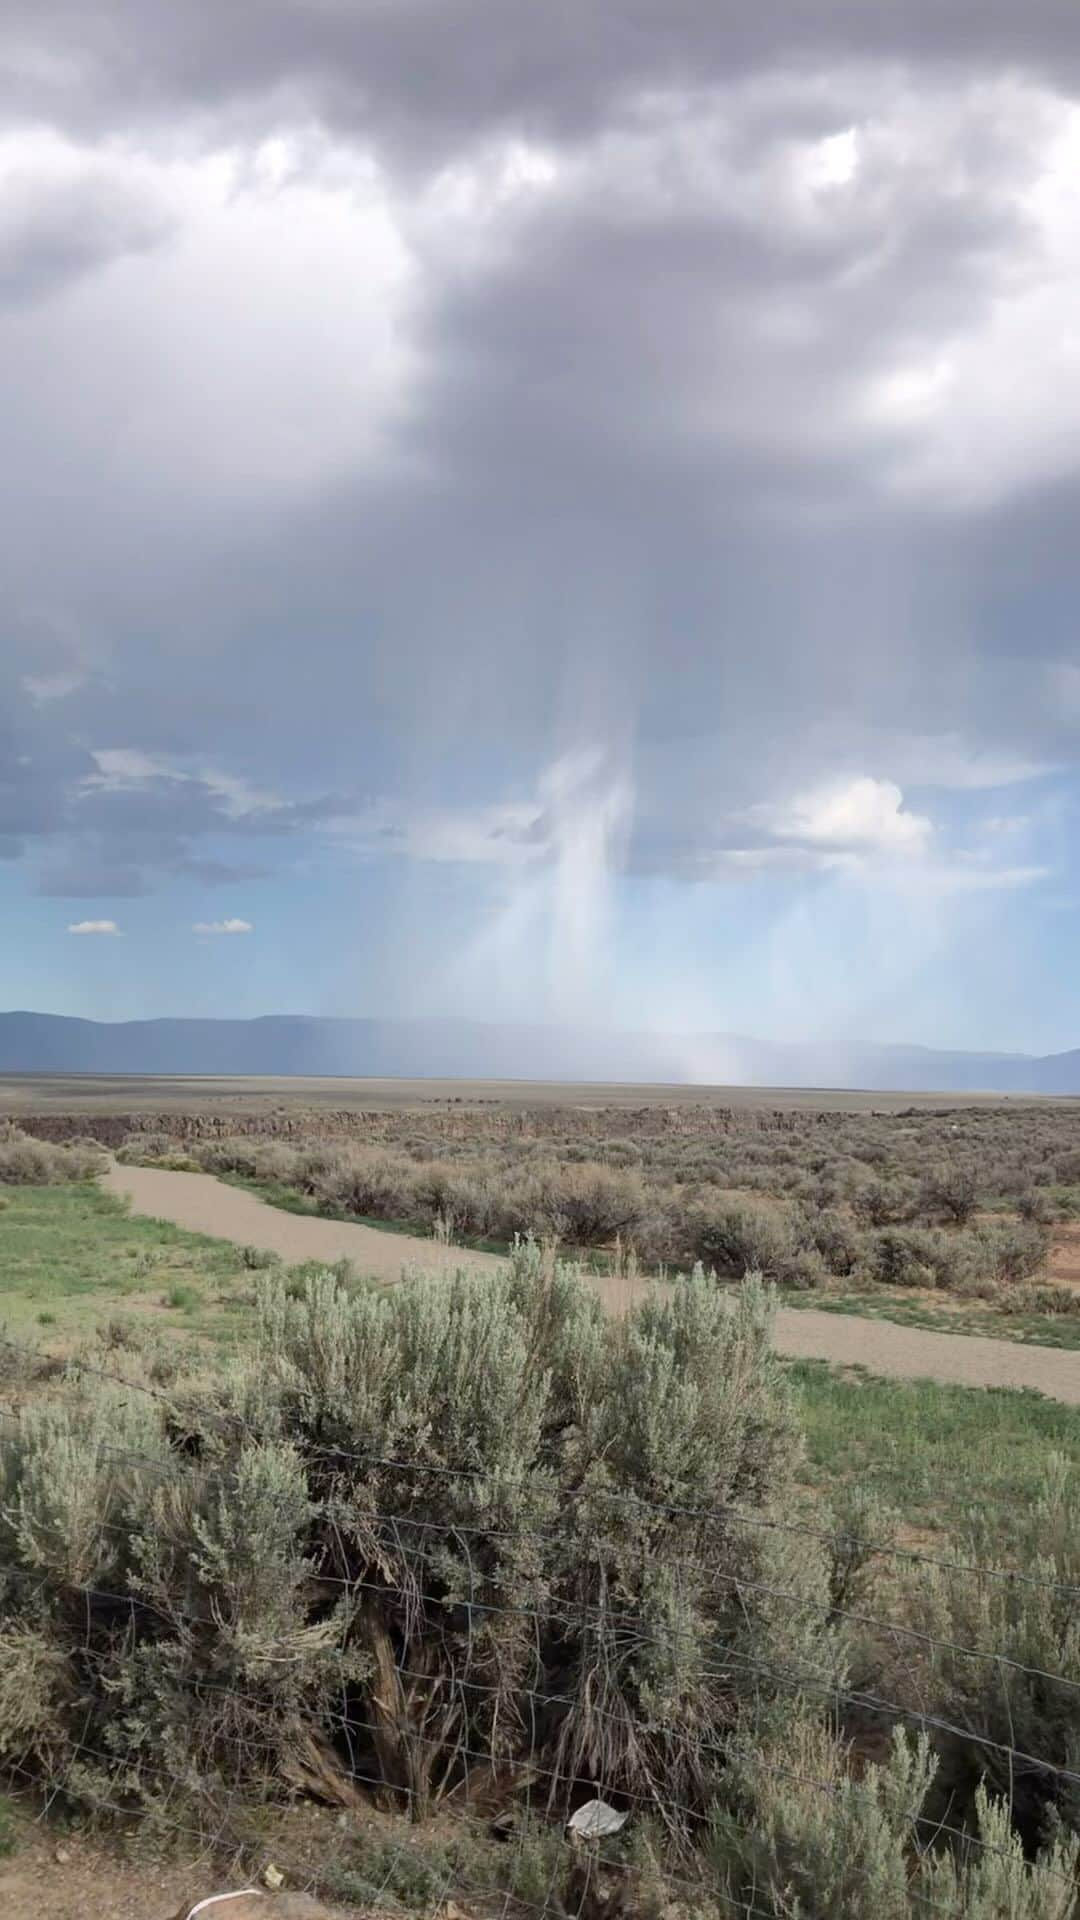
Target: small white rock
595,1820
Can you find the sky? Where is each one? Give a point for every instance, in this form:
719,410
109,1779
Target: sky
562,512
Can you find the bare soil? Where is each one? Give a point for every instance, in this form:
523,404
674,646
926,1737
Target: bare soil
75,1879
29,1093
204,1204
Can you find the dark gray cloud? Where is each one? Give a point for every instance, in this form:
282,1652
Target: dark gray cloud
221,873
432,76
126,865
664,470
133,822
38,768
87,874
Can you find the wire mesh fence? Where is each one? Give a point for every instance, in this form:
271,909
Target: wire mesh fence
404,1680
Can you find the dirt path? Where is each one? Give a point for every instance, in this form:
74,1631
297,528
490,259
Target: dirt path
205,1205
915,1353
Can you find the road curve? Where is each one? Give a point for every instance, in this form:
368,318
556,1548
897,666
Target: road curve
206,1205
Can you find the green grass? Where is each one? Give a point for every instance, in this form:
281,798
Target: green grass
930,1450
1067,1198
8,1827
183,1296
71,1257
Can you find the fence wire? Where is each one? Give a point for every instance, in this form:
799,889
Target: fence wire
574,1877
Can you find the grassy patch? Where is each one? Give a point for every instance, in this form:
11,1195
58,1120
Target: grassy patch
932,1451
70,1256
8,1828
183,1296
411,1873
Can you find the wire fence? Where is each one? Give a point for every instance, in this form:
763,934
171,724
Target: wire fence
437,1768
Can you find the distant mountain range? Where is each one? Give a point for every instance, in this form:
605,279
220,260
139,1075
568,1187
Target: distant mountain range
465,1049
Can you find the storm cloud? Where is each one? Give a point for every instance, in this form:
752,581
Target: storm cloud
589,447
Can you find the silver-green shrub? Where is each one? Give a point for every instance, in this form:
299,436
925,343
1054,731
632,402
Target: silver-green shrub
25,1162
1005,1664
461,1520
805,1833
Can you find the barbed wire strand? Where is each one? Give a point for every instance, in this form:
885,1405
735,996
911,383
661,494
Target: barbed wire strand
607,1618
710,1578
301,1873
561,1776
613,1496
133,1601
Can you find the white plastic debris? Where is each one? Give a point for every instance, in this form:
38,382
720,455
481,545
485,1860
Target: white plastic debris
218,1899
596,1820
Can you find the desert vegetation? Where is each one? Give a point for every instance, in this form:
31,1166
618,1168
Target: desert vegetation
458,1556
27,1162
962,1204
472,1543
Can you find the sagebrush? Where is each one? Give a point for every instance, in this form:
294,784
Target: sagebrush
477,1527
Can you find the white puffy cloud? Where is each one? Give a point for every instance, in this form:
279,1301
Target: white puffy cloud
978,407
254,351
94,927
861,816
223,926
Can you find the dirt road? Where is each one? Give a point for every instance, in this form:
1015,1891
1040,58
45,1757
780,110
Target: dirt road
205,1205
